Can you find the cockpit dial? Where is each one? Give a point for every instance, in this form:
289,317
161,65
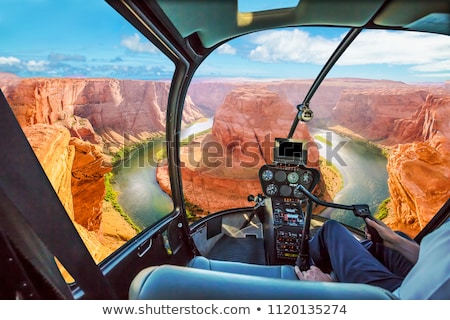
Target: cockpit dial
293,177
285,190
271,189
267,175
278,212
283,181
307,177
280,176
299,194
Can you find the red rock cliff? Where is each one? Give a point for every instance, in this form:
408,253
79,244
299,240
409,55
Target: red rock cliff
221,169
210,94
56,152
419,172
121,111
373,113
102,112
51,146
255,117
88,184
98,111
413,123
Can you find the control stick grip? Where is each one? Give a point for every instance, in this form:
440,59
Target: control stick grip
303,262
363,211
375,236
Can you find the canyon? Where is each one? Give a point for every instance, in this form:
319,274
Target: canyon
75,125
412,125
241,141
408,122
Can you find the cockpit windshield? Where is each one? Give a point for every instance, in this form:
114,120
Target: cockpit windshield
364,114
376,132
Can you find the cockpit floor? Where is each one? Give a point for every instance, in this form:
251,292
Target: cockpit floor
248,250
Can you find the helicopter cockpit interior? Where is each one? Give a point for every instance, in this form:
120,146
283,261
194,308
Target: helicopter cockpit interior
123,169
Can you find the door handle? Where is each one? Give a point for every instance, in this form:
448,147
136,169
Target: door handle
144,247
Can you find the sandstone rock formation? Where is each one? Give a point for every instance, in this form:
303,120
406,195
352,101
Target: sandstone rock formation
412,121
419,180
413,124
208,95
419,172
103,112
88,184
385,116
428,121
254,117
120,111
407,119
97,113
372,113
75,171
51,146
221,169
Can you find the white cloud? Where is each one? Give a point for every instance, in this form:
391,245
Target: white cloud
134,43
9,60
399,48
292,46
226,49
423,52
436,66
36,66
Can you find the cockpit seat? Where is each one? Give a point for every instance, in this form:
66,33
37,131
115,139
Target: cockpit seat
278,272
169,282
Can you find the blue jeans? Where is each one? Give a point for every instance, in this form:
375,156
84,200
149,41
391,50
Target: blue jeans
334,248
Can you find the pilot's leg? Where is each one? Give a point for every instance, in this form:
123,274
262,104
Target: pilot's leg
334,248
393,260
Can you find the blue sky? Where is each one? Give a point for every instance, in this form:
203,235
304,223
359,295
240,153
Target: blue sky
87,38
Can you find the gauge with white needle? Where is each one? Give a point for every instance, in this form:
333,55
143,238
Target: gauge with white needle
267,175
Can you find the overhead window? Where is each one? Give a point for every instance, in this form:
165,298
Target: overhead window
254,6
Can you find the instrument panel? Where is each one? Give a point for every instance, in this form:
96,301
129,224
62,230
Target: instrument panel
281,181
